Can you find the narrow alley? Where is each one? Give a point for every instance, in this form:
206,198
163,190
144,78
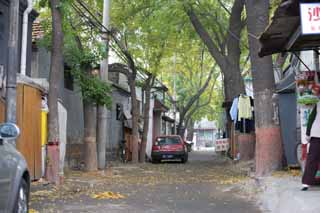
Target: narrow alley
98,98
201,185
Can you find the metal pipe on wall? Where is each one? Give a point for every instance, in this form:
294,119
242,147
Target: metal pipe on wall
24,42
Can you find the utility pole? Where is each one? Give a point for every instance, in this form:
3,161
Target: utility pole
102,110
316,61
11,82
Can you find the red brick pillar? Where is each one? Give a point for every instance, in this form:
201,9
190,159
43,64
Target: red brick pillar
52,169
268,153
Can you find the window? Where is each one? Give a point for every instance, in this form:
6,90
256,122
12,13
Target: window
118,112
168,141
68,79
2,24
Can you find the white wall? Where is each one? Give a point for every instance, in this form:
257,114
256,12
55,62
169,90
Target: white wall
63,114
150,132
307,58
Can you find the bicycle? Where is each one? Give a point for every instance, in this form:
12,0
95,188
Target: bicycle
122,151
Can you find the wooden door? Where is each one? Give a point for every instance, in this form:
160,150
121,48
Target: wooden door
128,145
2,110
29,121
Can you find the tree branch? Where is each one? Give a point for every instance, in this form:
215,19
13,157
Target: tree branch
76,37
205,37
224,7
195,97
198,105
113,33
235,27
219,37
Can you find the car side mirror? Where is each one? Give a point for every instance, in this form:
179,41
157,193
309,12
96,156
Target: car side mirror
9,131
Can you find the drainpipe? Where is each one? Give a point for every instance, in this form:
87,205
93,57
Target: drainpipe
24,43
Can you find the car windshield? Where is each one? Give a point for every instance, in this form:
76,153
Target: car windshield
168,141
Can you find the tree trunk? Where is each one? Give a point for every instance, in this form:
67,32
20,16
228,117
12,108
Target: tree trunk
143,147
268,138
181,129
56,67
234,83
90,145
190,130
135,119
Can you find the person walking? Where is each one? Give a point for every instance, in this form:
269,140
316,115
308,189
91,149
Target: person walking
313,158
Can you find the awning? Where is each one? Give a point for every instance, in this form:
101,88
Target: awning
168,119
284,33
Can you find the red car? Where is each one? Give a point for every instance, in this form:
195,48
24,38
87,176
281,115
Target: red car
169,147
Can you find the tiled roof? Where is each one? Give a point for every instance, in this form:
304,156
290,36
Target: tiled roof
37,32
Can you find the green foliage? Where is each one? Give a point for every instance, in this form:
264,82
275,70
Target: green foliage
156,31
82,51
93,89
149,30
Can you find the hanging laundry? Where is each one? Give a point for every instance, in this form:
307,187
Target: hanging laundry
244,107
234,110
245,125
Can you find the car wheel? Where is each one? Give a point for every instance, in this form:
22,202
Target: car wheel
184,159
22,198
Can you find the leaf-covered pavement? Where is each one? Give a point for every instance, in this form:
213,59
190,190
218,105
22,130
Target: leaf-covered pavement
166,187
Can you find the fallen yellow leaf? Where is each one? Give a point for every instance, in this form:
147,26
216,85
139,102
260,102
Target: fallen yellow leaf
108,195
33,211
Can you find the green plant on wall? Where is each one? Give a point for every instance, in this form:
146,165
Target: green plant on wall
93,89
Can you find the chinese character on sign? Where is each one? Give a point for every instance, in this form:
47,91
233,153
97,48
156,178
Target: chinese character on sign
314,13
310,18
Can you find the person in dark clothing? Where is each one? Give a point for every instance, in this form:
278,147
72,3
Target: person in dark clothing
313,158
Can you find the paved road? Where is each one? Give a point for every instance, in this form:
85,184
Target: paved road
167,187
196,156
